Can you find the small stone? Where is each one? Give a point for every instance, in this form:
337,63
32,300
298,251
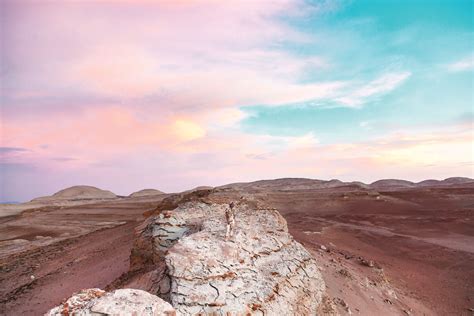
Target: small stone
323,247
344,273
367,263
343,303
32,277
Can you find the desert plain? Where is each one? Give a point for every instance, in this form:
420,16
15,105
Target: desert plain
392,247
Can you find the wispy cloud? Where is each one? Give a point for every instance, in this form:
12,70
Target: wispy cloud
6,150
384,84
159,49
63,159
157,88
464,64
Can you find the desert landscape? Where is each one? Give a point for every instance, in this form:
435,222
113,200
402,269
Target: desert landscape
236,158
388,248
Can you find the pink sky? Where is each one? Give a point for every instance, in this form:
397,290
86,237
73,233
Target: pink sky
126,95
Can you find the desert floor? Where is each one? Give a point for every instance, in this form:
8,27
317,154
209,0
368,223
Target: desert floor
405,252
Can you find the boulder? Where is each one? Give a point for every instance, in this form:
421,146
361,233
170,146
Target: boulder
261,270
118,302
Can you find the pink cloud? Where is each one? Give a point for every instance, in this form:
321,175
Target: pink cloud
175,153
132,94
180,48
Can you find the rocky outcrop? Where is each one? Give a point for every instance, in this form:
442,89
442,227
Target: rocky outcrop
118,302
262,270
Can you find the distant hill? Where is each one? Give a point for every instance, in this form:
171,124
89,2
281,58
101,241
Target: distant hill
458,180
391,184
286,184
146,192
78,192
448,181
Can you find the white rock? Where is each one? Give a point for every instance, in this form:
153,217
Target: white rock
262,270
119,302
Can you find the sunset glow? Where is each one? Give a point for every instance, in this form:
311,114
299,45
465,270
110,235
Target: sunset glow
174,94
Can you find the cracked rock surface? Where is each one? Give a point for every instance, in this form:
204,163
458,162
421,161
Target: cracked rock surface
261,270
119,302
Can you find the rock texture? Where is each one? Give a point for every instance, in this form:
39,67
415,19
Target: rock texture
118,302
262,270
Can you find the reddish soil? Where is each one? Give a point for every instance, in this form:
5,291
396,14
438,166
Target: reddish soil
420,241
66,267
38,277
422,238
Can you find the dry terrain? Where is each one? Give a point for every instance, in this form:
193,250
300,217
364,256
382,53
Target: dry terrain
389,248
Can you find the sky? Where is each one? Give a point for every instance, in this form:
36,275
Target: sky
126,95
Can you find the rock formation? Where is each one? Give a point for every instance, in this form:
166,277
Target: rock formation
118,302
182,256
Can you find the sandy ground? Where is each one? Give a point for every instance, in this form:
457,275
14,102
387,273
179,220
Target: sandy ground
395,253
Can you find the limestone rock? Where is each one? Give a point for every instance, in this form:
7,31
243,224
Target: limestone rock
119,302
261,270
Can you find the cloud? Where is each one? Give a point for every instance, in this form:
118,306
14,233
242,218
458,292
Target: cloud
148,93
188,130
365,125
13,154
465,64
190,56
384,84
6,150
170,164
63,159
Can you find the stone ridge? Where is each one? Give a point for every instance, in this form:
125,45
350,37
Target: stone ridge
262,270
